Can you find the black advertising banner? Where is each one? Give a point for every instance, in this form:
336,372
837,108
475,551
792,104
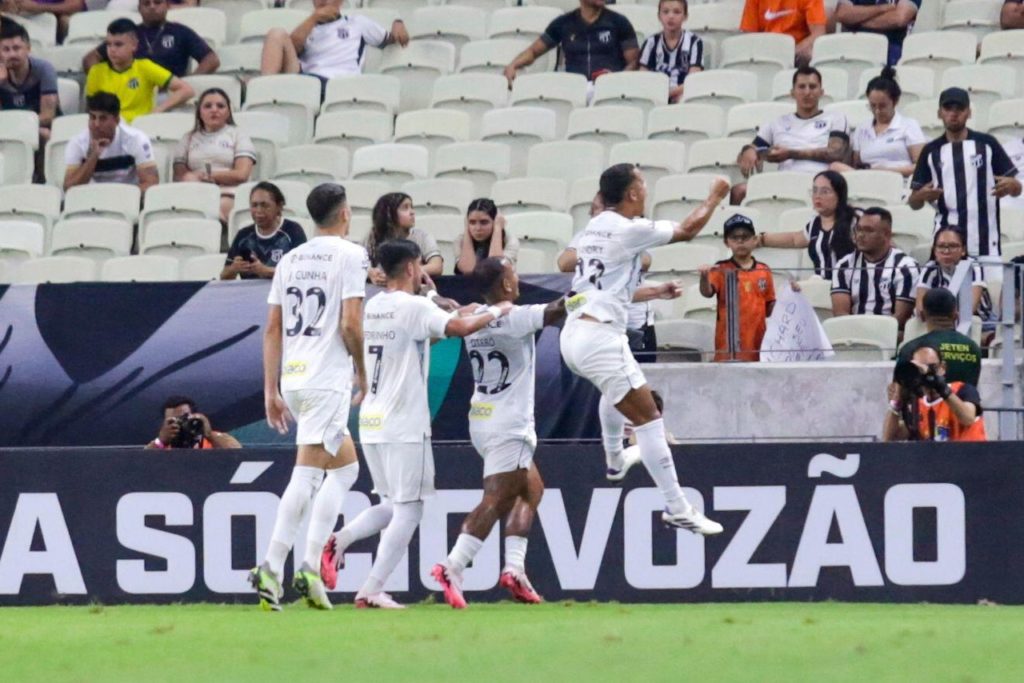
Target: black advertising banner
853,522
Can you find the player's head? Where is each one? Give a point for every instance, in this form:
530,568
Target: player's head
672,14
327,204
807,90
121,42
14,44
940,308
104,115
622,186
480,217
497,278
401,262
153,12
739,235
176,406
954,109
873,235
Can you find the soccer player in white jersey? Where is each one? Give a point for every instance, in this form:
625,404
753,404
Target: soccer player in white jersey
501,427
394,420
594,343
312,358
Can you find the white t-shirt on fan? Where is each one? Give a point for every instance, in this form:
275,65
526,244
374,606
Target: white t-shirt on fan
338,48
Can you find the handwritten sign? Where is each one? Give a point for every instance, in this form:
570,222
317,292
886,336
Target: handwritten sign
794,332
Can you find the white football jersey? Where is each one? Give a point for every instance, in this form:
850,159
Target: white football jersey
310,284
792,132
397,329
503,359
608,264
338,48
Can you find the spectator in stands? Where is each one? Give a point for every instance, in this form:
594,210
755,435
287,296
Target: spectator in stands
1015,150
167,43
394,218
26,82
891,18
109,151
924,405
744,288
807,140
327,44
485,236
675,51
258,248
216,151
961,353
877,278
134,80
949,250
593,40
803,19
1012,14
183,427
889,140
130,5
828,236
62,9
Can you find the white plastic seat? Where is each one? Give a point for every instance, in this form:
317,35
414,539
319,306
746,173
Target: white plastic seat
560,92
182,238
204,267
63,130
686,340
1011,224
471,93
417,66
694,306
41,28
938,50
362,195
744,120
835,85
147,268
862,337
641,90
20,240
313,164
432,128
391,163
374,92
241,61
534,261
352,130
446,230
515,195
675,196
1005,48
255,24
916,83
268,132
1006,119
482,163
294,96
19,139
38,204
773,193
977,17
294,191
856,112
869,187
234,10
547,231
686,123
91,27
174,201
714,22
492,55
655,158
986,83
605,126
440,196
568,159
203,82
67,59
926,113
762,54
721,87
911,228
716,156
359,229
103,200
520,22
818,293
581,199
209,22
55,269
681,261
404,6
518,128
851,52
96,238
644,21
451,23
165,130
69,94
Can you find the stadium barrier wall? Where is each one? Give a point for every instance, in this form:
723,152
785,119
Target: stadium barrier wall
849,522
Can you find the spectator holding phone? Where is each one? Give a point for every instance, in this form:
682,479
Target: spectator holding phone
258,248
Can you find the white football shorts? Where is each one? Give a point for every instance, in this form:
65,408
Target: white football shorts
600,353
401,472
504,452
321,416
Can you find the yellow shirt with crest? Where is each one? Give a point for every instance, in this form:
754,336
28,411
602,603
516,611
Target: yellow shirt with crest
136,86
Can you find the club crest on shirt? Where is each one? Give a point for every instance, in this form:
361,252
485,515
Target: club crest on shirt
343,33
133,84
167,42
605,37
976,160
276,254
818,125
762,285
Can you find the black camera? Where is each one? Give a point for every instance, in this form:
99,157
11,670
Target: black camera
190,431
915,380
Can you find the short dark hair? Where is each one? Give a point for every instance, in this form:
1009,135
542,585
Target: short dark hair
122,26
324,202
175,401
806,71
615,182
12,29
488,273
939,302
394,254
883,214
106,102
686,5
270,188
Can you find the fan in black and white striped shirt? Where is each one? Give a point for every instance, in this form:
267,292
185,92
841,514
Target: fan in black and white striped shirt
675,51
948,252
877,279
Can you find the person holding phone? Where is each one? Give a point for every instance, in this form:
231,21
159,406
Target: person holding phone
258,248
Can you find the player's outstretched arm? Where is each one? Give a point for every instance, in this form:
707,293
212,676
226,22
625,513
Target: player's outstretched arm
664,290
554,312
352,338
699,217
277,411
463,326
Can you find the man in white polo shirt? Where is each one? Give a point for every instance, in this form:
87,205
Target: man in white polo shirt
327,44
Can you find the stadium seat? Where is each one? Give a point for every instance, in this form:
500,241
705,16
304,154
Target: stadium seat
55,269
714,22
294,191
520,22
680,261
19,139
569,159
268,132
716,156
417,66
165,130
518,128
938,50
69,94
1006,119
359,229
744,120
534,262
684,340
440,196
374,92
871,188
240,61
818,293
254,25
605,126
182,238
170,202
294,96
986,83
492,55
91,27
644,20
363,194
352,130
20,240
446,231
675,196
773,193
96,238
655,158
432,128
41,28
911,228
721,87
560,92
515,195
580,199
686,123
103,200
482,163
203,82
35,203
862,337
694,306
67,59
547,231
641,90
313,164
926,113
234,10
210,23
149,268
792,220
1005,48
403,6
854,53
471,93
976,17
762,54
451,23
64,129
1011,224
391,163
855,111
835,84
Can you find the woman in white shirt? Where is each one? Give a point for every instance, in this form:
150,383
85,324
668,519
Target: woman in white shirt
216,151
889,141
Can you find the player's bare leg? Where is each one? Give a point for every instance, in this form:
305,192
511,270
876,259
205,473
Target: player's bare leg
518,523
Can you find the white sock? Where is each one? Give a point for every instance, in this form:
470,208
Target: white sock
294,503
657,457
326,507
613,424
466,548
367,523
515,553
393,544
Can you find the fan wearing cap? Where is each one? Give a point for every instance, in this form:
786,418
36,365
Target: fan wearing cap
745,291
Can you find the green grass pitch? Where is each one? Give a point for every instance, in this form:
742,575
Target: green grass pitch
571,642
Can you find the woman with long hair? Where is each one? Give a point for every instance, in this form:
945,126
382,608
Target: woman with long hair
394,218
215,151
485,236
949,248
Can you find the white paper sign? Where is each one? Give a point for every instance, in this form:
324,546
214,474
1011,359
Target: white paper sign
794,332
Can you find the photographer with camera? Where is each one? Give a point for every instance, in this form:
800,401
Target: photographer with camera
183,427
923,406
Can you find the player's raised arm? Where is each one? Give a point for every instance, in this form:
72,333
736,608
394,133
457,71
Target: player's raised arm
699,217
